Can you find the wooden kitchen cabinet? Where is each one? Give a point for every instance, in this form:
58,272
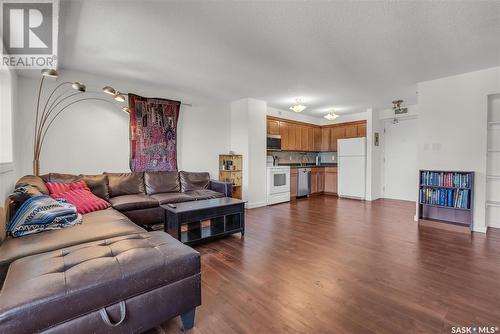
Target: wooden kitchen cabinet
325,139
285,141
298,137
362,130
321,180
317,180
337,132
291,137
351,131
293,182
331,180
310,138
304,138
317,139
314,180
273,127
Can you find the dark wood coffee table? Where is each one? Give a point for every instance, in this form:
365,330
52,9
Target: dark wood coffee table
204,220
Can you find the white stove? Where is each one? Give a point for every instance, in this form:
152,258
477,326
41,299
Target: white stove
278,184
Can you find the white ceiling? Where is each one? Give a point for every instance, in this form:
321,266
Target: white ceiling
347,55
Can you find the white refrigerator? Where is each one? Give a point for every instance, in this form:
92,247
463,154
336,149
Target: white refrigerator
351,169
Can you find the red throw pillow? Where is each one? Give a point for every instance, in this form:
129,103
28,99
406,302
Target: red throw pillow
78,194
59,187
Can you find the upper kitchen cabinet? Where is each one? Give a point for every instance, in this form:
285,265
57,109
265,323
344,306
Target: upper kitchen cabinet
303,137
310,138
351,131
325,139
336,132
317,138
273,127
284,133
362,130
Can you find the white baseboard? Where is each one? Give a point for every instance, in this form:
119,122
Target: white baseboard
480,229
494,225
255,205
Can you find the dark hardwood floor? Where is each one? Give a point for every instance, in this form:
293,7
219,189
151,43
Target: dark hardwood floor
328,265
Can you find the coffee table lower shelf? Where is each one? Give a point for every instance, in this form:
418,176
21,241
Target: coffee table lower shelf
205,220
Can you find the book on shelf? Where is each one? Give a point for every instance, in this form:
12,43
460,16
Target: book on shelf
452,198
446,179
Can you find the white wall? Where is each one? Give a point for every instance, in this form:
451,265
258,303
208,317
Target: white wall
93,136
248,137
452,128
9,158
373,156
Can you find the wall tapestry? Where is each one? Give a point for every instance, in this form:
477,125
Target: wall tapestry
153,134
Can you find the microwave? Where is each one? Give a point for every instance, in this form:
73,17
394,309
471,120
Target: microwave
274,142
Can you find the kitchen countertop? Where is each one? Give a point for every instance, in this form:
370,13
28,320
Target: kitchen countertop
297,165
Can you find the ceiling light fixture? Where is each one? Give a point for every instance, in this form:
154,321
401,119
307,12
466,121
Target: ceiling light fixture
331,116
298,107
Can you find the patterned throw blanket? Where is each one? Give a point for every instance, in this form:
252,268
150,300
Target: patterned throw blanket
41,213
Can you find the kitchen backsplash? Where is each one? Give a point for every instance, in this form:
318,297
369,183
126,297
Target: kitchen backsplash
305,157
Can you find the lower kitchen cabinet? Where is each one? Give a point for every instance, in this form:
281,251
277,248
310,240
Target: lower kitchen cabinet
331,180
317,180
321,180
293,182
314,180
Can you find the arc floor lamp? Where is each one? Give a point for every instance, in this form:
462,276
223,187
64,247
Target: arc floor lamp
55,105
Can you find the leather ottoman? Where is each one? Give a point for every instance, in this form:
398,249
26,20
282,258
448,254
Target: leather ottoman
126,284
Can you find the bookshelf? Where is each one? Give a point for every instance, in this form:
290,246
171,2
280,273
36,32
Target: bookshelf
493,162
446,197
231,170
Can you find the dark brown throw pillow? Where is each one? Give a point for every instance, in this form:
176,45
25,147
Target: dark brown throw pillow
194,180
98,184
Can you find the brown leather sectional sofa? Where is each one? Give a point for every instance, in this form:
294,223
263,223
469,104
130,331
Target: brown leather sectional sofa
67,262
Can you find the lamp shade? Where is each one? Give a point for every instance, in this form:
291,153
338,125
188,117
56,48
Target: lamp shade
119,97
50,72
109,90
78,86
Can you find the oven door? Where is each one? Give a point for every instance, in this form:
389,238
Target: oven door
279,182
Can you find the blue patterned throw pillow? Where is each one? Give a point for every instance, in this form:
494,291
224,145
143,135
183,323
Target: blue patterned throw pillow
42,213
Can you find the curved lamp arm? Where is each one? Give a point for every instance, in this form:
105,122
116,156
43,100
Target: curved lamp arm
37,112
40,143
45,117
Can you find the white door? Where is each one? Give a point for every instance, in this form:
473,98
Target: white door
400,156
